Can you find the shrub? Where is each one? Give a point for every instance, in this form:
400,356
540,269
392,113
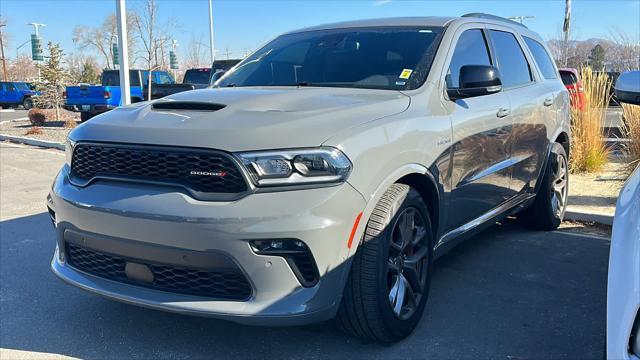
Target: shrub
70,123
631,131
34,130
37,117
589,151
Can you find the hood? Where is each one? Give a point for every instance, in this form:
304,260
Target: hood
252,118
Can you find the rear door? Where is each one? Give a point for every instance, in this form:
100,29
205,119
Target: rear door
481,175
532,107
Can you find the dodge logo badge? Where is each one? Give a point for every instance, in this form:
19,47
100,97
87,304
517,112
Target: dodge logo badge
208,173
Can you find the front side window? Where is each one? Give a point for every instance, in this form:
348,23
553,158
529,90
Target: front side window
392,58
22,86
471,49
513,65
542,58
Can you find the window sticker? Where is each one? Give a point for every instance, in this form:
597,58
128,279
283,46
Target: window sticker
405,73
401,83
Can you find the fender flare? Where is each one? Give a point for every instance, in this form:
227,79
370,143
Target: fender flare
373,199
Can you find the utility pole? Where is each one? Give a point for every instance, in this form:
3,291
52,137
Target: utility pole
566,27
211,47
121,19
4,60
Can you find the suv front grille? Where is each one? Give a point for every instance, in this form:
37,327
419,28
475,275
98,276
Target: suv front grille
200,171
228,284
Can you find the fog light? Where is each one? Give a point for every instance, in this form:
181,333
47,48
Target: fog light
278,246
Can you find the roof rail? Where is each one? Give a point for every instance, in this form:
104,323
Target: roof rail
494,17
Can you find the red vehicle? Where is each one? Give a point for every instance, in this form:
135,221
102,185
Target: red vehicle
573,83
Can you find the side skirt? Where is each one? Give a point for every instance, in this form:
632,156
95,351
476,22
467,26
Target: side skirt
456,236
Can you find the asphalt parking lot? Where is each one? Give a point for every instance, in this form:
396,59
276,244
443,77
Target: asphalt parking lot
13,114
508,293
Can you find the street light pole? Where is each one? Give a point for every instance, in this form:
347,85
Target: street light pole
4,60
35,29
211,47
121,19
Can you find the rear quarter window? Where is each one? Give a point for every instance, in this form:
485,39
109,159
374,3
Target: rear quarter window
544,61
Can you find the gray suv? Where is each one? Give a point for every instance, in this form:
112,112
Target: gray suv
321,177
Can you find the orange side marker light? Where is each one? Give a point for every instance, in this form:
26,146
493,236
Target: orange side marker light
353,230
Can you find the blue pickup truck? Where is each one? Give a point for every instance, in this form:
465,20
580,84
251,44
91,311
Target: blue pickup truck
91,100
13,94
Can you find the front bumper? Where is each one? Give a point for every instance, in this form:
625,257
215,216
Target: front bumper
146,215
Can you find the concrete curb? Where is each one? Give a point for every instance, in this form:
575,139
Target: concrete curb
13,120
32,142
589,217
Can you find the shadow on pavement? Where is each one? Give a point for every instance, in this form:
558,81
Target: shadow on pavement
507,292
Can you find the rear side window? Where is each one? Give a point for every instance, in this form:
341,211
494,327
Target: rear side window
471,49
568,78
513,65
542,58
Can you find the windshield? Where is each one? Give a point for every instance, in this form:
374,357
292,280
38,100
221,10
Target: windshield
396,58
197,76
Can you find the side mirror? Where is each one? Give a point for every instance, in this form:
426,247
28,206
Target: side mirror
476,80
216,76
628,87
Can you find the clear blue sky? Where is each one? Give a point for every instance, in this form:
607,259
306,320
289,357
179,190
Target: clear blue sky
241,25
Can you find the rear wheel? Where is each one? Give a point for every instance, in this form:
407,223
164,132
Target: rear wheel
27,103
550,204
390,276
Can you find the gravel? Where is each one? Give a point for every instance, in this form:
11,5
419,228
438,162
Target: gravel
53,130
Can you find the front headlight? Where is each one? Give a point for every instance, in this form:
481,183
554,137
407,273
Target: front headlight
68,150
296,167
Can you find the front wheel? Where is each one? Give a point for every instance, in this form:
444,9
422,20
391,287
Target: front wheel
388,285
547,211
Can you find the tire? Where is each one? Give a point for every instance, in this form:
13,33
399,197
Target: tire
27,103
84,116
366,310
547,211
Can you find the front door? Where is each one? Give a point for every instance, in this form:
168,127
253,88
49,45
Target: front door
481,172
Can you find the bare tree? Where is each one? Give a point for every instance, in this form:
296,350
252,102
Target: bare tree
54,78
103,37
154,39
196,55
22,69
623,53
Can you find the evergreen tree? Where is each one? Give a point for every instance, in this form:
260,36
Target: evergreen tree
53,78
597,58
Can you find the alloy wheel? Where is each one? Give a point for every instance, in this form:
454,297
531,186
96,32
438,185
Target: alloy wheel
407,262
559,186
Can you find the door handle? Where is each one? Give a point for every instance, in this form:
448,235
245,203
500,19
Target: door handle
548,101
503,112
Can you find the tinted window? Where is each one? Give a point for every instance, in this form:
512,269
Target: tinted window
112,78
514,69
568,78
545,63
471,49
197,76
377,58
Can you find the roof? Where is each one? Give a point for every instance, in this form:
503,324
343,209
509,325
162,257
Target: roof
395,21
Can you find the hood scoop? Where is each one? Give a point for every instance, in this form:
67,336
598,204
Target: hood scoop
187,106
